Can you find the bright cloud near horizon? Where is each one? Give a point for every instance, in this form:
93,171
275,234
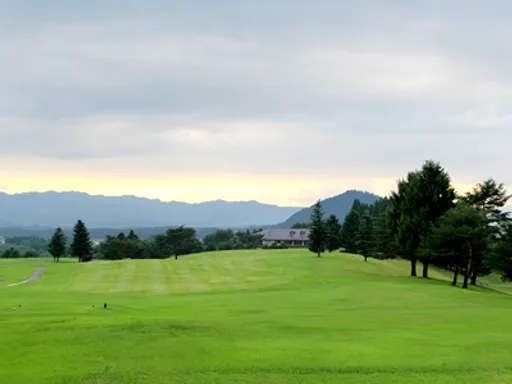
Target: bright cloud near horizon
283,102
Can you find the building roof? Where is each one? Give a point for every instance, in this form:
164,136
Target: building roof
286,234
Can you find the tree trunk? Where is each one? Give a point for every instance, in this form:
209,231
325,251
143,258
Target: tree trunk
175,257
413,267
455,275
319,254
468,267
366,259
474,273
425,269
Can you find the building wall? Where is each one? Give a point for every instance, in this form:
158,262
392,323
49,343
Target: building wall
296,243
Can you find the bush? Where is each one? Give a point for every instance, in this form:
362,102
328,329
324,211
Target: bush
225,246
86,258
31,254
210,248
275,246
11,253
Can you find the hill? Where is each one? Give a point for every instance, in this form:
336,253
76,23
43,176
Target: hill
52,209
249,317
337,205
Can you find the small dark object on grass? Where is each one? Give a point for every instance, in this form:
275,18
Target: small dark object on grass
105,306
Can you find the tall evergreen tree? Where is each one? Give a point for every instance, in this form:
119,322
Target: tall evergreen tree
500,255
349,231
460,233
489,197
132,235
365,236
318,232
333,235
379,207
81,246
57,245
384,243
418,203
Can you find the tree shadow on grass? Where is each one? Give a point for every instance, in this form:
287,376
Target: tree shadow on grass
443,282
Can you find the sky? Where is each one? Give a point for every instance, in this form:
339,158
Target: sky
283,102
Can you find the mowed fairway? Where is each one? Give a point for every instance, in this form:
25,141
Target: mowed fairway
250,317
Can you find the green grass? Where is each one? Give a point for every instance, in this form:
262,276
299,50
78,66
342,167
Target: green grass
14,270
252,317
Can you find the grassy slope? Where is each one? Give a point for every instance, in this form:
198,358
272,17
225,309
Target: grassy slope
251,317
14,270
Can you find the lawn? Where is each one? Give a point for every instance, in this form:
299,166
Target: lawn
12,271
251,317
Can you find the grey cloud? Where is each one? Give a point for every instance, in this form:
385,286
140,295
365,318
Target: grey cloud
333,87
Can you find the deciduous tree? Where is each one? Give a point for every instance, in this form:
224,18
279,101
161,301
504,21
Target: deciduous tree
182,241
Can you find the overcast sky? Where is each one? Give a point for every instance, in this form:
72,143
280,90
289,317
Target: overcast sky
280,101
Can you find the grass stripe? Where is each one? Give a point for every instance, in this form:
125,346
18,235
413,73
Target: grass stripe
141,282
126,279
157,281
88,276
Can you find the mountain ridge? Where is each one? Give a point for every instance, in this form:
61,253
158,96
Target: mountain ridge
71,192
338,205
52,209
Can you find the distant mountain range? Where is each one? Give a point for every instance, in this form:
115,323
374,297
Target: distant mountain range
339,205
53,209
40,212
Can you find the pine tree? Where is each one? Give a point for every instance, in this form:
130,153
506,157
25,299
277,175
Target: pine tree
333,233
349,231
132,235
81,246
183,241
57,245
384,243
488,197
318,233
419,202
500,255
365,236
459,234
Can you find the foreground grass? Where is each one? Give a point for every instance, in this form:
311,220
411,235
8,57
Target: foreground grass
251,317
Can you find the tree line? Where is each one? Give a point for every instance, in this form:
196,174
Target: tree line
425,221
227,239
174,242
